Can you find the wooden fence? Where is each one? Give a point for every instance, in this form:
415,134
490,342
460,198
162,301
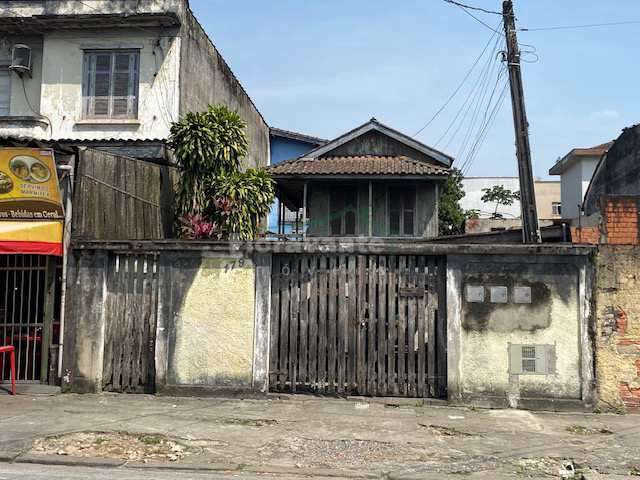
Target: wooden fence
122,198
130,323
358,324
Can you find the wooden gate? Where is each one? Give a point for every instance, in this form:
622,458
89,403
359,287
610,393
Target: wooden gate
358,324
130,323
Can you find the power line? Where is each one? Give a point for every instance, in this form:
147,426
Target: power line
480,21
573,27
455,92
473,8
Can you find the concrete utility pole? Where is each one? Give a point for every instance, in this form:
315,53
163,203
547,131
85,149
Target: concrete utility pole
530,228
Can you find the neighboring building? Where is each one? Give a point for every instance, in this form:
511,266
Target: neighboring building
370,182
113,75
286,145
576,170
547,201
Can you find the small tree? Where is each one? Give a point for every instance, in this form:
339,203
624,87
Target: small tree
214,199
500,196
451,217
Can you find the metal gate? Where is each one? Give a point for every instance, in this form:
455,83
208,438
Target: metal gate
358,324
27,314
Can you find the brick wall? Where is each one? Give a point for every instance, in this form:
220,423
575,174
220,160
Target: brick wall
619,225
618,327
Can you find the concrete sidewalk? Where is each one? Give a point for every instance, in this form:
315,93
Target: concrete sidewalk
320,437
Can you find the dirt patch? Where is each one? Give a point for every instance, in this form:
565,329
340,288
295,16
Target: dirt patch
118,445
446,431
582,430
305,452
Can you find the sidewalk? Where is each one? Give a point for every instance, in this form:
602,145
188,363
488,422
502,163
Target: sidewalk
331,437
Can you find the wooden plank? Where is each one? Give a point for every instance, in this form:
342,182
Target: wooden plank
432,362
274,321
127,338
312,366
421,347
441,327
371,327
352,320
332,322
402,324
382,326
361,361
109,323
118,320
342,331
392,325
285,295
153,325
323,279
145,319
138,357
303,333
411,329
294,318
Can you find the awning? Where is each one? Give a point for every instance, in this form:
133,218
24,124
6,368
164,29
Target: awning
31,237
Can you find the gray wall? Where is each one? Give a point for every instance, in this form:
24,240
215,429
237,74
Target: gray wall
207,79
482,333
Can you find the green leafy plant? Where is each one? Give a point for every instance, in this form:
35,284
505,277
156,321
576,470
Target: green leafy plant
500,196
451,217
243,199
214,199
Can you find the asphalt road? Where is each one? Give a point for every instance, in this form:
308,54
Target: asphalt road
47,472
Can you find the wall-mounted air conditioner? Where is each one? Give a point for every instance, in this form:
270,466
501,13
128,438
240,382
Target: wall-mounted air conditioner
21,59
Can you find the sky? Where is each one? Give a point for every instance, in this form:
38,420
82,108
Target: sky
324,67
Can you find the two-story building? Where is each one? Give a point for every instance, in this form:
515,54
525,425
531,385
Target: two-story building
113,75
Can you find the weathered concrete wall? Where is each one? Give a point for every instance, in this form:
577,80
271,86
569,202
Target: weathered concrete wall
618,328
207,339
207,79
26,8
484,328
213,332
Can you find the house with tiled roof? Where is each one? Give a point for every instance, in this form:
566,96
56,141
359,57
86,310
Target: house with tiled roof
372,181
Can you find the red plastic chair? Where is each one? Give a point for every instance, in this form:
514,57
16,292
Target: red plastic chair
10,349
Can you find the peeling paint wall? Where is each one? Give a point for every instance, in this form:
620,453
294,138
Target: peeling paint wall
618,328
498,318
213,339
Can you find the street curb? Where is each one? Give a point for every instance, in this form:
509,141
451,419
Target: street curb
69,461
309,472
204,467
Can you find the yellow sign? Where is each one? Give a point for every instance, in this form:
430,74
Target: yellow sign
29,185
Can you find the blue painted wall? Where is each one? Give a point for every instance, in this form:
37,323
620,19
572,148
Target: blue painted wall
285,149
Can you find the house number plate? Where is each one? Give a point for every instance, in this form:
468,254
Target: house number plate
412,292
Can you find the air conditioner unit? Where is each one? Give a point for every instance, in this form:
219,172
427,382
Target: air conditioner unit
21,59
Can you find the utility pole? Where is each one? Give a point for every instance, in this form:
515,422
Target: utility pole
530,228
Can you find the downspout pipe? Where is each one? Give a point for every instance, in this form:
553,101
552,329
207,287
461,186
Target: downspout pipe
66,241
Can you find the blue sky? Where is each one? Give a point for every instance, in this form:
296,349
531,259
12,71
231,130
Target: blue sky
323,67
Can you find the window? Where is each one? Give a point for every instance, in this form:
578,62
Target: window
402,209
342,211
532,359
110,87
556,208
5,90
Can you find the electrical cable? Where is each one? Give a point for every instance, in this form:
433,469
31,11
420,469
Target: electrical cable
472,7
573,27
475,63
26,98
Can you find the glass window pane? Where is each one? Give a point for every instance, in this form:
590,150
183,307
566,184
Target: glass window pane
5,90
408,222
336,211
394,222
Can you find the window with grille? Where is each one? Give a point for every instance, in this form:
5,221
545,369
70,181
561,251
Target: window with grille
342,210
556,208
532,359
402,211
110,86
5,90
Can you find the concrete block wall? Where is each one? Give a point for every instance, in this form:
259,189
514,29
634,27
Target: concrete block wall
618,328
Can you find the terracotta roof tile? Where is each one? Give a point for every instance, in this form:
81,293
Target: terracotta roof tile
357,165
